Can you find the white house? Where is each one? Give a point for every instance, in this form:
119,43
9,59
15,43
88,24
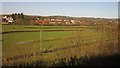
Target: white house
10,19
7,20
72,21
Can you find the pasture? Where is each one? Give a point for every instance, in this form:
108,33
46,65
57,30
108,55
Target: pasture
49,43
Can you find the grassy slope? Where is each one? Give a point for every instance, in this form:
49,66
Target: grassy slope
10,48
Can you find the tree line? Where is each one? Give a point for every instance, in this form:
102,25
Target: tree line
21,19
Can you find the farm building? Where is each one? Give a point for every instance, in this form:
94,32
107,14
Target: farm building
7,20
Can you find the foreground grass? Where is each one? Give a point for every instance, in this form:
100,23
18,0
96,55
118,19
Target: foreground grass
62,39
98,46
94,61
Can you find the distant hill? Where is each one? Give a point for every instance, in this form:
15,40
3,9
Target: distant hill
21,19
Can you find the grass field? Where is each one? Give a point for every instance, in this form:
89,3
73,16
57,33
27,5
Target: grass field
32,42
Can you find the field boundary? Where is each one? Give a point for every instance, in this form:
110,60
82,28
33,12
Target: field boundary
36,31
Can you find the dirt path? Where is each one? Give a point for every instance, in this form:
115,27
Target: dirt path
45,40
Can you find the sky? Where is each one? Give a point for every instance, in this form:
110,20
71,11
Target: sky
60,0
76,9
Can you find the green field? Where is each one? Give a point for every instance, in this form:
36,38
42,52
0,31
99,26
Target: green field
22,43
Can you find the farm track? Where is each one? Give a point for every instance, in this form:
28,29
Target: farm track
48,51
46,40
36,31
